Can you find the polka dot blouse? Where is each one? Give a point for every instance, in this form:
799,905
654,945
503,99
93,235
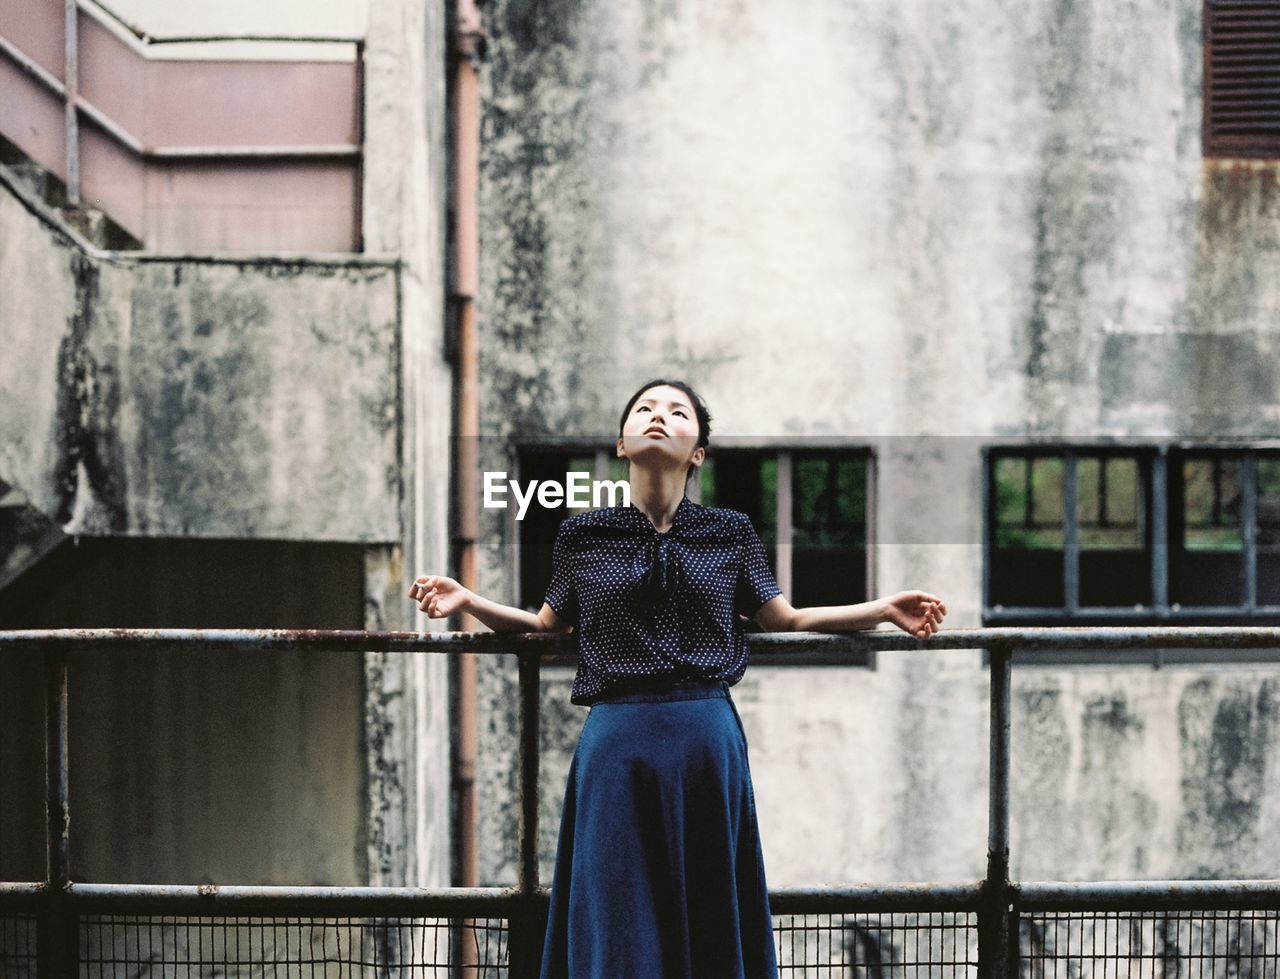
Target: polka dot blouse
651,607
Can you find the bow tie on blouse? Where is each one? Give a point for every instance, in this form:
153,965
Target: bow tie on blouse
661,578
659,575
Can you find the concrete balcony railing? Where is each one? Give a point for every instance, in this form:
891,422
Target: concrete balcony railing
187,154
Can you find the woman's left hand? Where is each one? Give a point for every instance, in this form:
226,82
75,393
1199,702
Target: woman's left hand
915,612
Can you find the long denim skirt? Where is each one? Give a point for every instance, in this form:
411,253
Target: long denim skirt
659,871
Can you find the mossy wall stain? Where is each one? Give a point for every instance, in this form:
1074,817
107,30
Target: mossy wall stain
1213,367
1115,811
1227,738
1041,807
1116,284
89,411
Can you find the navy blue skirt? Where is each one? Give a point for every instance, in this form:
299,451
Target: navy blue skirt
659,870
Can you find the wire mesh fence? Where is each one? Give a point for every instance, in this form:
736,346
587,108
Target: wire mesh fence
282,947
17,945
1176,944
937,945
1222,944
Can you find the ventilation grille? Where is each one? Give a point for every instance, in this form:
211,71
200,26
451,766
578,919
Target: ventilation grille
1242,78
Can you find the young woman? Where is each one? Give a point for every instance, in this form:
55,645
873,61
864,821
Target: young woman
659,870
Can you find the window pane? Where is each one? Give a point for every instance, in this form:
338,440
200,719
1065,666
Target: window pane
1115,561
828,535
1026,552
537,531
768,523
1107,495
619,469
1268,530
1029,502
747,481
1206,559
705,477
1211,505
828,503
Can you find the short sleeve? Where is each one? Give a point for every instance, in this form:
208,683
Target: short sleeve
756,584
562,596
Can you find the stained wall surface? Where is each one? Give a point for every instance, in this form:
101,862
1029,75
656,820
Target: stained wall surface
277,402
872,223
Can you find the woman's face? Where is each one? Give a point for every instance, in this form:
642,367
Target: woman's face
662,430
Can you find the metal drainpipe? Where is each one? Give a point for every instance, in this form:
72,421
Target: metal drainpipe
468,47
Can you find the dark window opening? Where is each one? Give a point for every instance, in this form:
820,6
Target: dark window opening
537,531
1206,553
746,481
1268,474
829,530
821,511
1098,536
1115,553
1026,557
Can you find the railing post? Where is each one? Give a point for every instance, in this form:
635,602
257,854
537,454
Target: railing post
996,952
527,925
58,934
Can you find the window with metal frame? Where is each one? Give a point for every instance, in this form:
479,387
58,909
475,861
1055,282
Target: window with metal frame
1241,78
810,507
536,532
1133,535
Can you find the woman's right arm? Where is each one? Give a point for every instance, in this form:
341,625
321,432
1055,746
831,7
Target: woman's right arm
440,597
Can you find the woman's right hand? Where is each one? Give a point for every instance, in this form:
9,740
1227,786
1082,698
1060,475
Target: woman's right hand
439,596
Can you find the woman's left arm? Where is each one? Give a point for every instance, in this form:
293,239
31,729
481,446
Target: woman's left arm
915,612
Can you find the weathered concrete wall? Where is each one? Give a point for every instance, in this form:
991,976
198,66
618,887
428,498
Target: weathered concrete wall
191,398
271,398
241,398
858,220
404,215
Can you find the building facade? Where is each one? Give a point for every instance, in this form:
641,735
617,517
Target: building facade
980,297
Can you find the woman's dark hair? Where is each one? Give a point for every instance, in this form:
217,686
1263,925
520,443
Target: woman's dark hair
699,410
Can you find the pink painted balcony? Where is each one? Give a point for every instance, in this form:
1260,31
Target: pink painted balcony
186,155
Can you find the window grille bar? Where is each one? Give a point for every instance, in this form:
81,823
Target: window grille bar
1070,535
785,524
1249,529
1160,531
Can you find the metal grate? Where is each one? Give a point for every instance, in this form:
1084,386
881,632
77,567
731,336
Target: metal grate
169,947
1242,78
17,946
1237,944
871,946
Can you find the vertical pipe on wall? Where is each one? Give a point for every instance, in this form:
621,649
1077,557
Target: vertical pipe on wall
71,81
466,51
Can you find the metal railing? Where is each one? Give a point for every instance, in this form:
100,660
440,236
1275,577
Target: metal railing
994,928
